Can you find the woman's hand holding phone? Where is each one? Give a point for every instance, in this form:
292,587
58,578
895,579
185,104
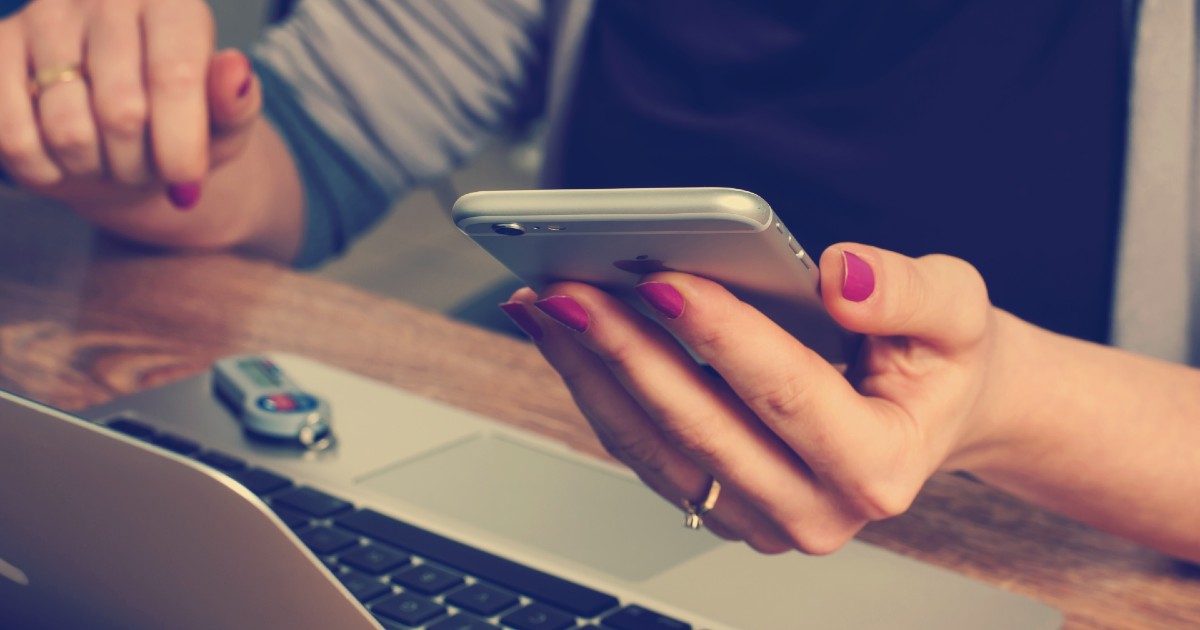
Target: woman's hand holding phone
806,455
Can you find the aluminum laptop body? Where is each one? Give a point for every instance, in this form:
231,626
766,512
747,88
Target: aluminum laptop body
99,529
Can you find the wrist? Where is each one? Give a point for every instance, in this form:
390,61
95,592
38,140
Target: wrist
999,433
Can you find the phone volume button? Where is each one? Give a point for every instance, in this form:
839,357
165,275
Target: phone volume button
795,247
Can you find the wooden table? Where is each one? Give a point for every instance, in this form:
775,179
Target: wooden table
84,319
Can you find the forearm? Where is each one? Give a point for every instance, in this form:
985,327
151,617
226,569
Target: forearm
253,203
1104,436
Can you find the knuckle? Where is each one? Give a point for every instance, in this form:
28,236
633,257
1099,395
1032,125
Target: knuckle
638,452
975,289
572,373
23,155
901,313
708,342
69,134
971,299
123,117
965,269
620,353
968,279
816,543
695,436
879,501
785,398
130,174
176,77
876,496
42,177
18,143
767,544
37,174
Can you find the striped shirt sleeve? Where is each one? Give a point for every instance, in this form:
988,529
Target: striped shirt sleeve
385,95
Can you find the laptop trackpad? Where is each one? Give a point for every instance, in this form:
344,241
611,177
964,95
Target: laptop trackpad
544,500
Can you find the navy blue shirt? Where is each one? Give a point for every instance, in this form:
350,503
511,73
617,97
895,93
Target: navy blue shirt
11,6
992,130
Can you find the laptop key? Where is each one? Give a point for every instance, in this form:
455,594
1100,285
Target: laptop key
132,428
427,579
569,596
293,519
176,444
409,609
483,599
538,617
326,540
462,622
375,559
634,617
221,461
311,501
261,481
363,586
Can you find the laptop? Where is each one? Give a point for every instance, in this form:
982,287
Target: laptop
157,511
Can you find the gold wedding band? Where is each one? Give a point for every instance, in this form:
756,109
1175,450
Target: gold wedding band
695,512
49,77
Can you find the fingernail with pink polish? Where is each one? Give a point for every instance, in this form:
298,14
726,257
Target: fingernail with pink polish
858,280
184,196
565,311
521,317
663,297
244,88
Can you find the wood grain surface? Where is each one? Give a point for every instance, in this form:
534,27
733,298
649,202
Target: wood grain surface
84,318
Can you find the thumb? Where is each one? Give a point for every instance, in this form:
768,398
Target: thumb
234,95
938,299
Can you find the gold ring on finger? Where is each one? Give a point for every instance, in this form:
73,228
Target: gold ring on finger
694,519
47,78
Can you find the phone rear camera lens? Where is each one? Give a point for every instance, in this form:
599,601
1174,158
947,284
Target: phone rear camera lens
508,229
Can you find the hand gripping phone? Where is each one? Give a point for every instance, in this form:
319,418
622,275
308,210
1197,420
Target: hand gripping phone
611,238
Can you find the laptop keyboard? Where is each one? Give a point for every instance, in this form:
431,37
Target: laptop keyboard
409,577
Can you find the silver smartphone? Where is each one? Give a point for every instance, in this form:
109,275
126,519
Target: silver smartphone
610,238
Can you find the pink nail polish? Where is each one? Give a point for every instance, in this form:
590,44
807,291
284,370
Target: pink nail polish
858,280
184,196
244,88
565,311
521,317
663,297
